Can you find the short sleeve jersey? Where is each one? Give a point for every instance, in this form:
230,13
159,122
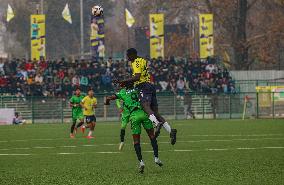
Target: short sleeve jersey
130,99
76,100
140,65
89,105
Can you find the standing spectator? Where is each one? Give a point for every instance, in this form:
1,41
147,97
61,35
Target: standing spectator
84,83
173,86
75,81
19,92
180,88
188,113
2,67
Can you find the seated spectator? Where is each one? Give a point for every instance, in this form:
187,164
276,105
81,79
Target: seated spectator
38,79
17,120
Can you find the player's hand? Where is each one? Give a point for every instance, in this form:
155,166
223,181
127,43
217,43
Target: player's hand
120,111
107,103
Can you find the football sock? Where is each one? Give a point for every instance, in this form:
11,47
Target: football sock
90,133
153,118
137,148
73,127
122,134
80,124
155,147
167,127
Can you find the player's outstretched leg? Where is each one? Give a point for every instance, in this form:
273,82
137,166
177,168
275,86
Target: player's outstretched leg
137,147
124,121
122,135
159,121
80,125
155,147
92,128
72,129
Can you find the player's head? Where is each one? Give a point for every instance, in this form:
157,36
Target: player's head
91,92
77,91
131,54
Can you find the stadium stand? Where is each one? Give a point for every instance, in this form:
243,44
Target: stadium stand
24,78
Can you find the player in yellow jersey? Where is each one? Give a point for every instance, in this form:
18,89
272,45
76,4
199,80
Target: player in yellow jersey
89,103
147,92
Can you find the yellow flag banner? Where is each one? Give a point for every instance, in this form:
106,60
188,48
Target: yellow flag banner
37,37
66,14
156,35
10,13
129,19
206,39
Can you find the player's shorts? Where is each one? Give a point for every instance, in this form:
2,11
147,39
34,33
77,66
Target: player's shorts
124,118
147,93
91,119
138,118
76,115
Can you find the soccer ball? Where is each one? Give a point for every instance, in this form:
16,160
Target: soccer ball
97,11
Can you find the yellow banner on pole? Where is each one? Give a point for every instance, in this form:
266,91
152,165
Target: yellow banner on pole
156,35
38,37
206,39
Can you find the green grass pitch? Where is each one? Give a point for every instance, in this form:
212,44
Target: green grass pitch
207,152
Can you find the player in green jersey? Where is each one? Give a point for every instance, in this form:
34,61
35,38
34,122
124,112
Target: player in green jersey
124,120
137,118
77,112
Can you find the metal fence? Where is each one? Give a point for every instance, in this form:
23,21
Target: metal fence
203,106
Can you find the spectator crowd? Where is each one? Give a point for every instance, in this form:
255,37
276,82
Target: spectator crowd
23,77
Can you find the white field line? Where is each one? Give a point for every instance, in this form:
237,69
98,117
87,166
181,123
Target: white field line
149,151
22,148
43,147
68,146
234,135
161,142
228,135
253,135
14,154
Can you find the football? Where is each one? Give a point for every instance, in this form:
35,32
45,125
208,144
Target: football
97,11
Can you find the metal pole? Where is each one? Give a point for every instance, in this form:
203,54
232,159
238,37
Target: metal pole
82,29
273,104
41,6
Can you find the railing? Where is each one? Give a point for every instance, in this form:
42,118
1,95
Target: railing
203,106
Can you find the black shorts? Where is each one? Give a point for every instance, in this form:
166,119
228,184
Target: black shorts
147,93
91,119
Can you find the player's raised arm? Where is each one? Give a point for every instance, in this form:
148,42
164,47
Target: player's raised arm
130,80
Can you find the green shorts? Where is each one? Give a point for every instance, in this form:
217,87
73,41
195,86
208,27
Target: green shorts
77,115
138,118
124,118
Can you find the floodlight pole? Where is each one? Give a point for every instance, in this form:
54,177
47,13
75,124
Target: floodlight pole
82,29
